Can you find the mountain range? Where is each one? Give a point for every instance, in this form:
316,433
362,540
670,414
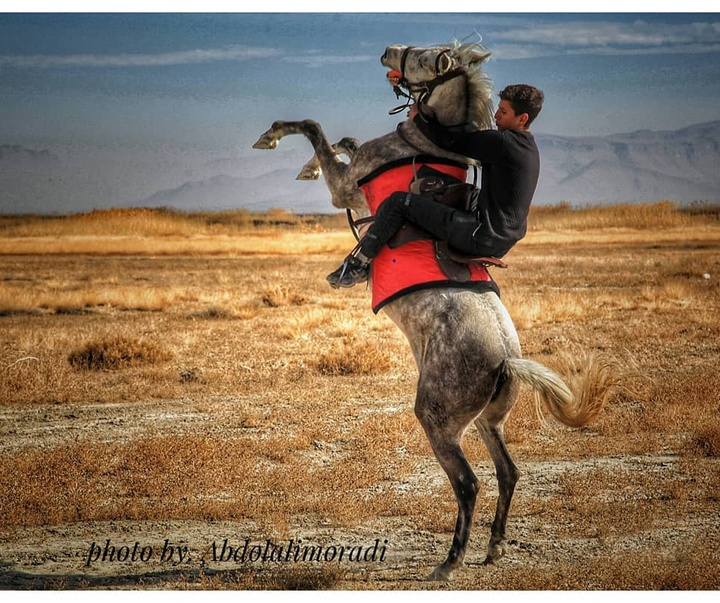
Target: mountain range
679,165
641,166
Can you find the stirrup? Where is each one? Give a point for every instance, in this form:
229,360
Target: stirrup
351,272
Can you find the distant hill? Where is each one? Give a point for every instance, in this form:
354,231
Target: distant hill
642,166
276,189
17,154
639,166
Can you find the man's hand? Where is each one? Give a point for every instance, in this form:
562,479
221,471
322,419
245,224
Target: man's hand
426,112
400,197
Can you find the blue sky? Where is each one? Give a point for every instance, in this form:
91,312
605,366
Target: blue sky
196,87
214,80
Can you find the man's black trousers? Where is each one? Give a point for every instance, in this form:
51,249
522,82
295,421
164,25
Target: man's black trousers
442,222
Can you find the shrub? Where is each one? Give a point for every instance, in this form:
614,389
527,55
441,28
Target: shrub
705,442
282,296
354,358
116,353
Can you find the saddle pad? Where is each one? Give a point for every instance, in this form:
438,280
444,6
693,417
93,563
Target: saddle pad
412,266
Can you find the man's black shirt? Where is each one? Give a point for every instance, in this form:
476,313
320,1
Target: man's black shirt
510,170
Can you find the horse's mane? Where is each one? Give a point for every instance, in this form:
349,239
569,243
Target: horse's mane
480,86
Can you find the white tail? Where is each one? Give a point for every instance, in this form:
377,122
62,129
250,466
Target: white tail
571,409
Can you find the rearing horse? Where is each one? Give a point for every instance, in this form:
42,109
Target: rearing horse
464,342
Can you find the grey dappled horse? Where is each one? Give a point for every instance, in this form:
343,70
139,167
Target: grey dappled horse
464,342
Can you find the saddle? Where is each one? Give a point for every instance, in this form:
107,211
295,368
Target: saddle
458,195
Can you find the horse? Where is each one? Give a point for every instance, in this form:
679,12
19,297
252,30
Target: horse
464,342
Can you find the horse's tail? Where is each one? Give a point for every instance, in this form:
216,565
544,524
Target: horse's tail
571,409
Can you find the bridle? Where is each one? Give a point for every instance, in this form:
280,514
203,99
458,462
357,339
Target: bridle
423,90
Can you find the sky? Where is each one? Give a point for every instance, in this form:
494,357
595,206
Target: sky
212,83
212,80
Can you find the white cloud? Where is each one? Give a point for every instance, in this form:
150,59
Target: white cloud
604,38
227,53
319,60
680,49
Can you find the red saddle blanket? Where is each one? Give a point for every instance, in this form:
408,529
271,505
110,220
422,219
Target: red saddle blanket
411,266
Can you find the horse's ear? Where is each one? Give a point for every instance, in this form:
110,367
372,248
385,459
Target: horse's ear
445,63
478,57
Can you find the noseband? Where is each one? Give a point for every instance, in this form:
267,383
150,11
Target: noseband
425,89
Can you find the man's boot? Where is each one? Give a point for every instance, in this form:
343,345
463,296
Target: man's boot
352,271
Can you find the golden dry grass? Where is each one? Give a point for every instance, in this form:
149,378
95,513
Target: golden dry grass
164,222
663,215
168,232
235,386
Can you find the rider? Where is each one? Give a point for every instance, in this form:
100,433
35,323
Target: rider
510,170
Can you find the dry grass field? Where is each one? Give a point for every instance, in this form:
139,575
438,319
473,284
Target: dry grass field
186,404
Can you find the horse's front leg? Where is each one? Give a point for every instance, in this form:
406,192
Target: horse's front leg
343,188
278,130
309,128
312,170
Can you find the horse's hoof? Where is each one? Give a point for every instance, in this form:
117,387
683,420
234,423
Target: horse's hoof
440,574
308,175
495,552
264,143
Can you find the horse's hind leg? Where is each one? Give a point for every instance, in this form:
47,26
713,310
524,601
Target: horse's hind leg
490,426
444,438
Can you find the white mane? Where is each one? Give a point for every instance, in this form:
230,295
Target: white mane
471,56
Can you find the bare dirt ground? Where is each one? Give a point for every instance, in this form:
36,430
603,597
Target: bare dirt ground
135,478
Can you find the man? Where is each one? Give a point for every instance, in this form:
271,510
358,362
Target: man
510,170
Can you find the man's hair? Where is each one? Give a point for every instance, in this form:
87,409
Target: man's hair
524,99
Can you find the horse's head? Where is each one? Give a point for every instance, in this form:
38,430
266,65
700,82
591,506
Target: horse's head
438,76
422,65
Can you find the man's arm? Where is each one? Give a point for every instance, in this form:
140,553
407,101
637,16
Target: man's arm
483,145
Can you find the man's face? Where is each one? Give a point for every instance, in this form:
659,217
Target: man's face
505,117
